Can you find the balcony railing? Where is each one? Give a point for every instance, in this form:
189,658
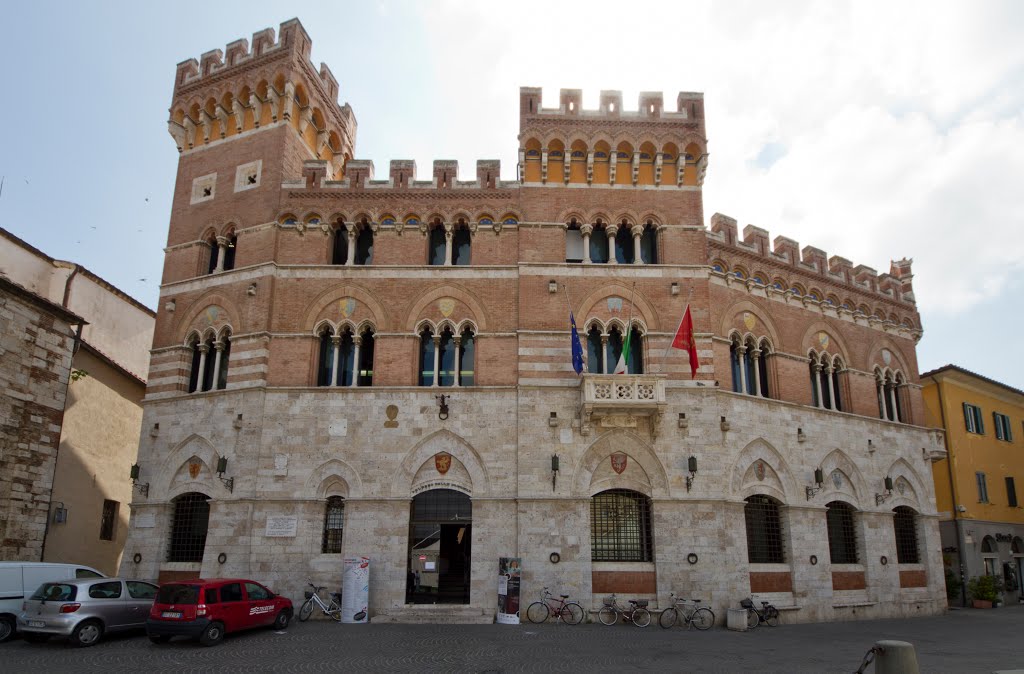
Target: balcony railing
620,399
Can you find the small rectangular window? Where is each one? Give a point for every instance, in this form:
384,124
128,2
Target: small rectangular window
108,519
231,592
1003,429
1011,493
973,420
982,487
210,595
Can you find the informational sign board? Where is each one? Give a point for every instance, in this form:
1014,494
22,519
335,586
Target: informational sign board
509,579
145,521
355,594
282,526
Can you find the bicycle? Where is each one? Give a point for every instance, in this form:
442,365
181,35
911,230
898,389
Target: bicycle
637,612
768,614
569,612
332,610
700,617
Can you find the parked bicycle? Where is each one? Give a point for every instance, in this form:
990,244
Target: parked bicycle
768,614
690,612
637,612
331,609
567,611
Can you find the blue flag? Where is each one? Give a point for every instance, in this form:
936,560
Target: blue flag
577,348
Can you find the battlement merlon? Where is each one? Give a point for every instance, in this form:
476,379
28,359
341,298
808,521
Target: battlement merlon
811,260
293,37
650,106
359,174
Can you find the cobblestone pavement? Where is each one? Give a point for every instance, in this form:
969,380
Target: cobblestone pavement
961,641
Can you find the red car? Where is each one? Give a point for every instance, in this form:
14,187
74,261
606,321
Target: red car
207,609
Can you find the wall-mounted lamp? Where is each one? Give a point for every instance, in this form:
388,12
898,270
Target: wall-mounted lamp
237,423
881,498
871,446
675,288
222,466
819,479
691,467
60,513
725,424
553,419
683,421
554,470
134,474
552,286
155,431
442,412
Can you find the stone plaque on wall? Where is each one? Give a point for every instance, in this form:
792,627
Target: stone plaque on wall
145,521
282,526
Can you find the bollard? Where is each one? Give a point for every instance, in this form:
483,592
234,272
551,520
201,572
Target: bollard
737,619
895,657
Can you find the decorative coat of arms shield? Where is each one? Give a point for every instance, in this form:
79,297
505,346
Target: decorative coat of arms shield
619,462
442,461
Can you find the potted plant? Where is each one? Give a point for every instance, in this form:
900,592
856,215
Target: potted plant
984,590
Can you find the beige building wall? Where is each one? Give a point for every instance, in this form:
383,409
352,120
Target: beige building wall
93,462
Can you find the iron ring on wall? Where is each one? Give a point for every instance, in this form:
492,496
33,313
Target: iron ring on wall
137,558
555,557
814,559
884,560
221,558
692,558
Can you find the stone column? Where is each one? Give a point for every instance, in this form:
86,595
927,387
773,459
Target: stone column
437,358
356,341
447,245
336,345
610,231
586,230
351,233
637,232
892,401
817,384
604,354
831,387
222,246
458,342
741,351
755,357
218,348
203,348
880,392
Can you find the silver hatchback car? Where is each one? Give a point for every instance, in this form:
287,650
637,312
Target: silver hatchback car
84,609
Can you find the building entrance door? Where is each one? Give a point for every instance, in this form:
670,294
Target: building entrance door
440,545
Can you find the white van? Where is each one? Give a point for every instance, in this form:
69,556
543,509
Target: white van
18,580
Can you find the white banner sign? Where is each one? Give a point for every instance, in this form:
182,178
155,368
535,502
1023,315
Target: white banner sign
355,594
283,526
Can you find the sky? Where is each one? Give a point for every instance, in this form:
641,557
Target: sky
872,130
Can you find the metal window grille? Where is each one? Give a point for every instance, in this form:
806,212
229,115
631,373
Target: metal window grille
107,520
620,527
842,538
188,528
442,505
905,524
764,530
334,525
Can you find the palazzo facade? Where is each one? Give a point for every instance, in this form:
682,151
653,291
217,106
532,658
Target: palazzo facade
352,365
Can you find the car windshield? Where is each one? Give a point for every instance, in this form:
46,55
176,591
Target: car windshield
55,592
177,594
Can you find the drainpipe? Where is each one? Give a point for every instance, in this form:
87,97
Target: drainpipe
957,521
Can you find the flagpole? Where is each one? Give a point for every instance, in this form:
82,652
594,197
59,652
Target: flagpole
624,356
568,303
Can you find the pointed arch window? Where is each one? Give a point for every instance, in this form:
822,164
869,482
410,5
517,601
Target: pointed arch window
595,351
842,536
221,357
764,530
211,265
364,245
195,372
624,252
229,252
574,242
346,359
462,241
334,525
467,358
649,244
437,245
887,387
427,357
620,527
749,363
599,245
339,251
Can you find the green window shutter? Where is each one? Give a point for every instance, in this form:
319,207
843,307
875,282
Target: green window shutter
968,422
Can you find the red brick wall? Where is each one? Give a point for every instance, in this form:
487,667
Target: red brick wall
848,580
913,579
771,581
624,582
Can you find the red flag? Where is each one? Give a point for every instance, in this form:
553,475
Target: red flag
684,341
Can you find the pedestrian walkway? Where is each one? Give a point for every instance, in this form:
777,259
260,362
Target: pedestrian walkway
968,640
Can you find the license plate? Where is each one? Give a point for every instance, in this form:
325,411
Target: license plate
171,614
36,623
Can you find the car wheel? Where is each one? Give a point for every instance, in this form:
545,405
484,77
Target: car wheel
87,633
6,628
212,635
281,621
35,637
159,638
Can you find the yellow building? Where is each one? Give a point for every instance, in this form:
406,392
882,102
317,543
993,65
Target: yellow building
981,519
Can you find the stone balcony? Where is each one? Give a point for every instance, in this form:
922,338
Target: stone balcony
619,401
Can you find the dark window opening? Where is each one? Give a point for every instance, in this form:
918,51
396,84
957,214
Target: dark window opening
334,523
624,253
188,528
599,246
426,377
435,253
364,246
842,537
467,358
339,254
595,364
764,530
620,527
229,252
649,245
107,520
905,526
461,246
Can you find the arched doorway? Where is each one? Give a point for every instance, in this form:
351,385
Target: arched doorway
188,528
440,541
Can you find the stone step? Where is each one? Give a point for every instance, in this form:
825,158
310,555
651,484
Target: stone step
435,614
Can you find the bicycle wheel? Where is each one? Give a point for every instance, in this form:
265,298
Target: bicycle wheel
641,617
537,612
771,616
668,617
608,616
334,611
703,618
752,619
572,613
306,611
